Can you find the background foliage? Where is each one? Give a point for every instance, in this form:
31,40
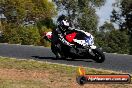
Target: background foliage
81,12
27,20
123,17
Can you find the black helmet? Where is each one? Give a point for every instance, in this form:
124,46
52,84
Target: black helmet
63,23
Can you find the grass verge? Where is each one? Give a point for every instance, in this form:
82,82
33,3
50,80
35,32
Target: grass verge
39,74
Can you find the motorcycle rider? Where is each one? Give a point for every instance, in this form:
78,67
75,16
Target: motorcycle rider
58,42
63,26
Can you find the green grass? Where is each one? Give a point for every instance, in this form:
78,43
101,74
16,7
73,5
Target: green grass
62,74
10,63
33,65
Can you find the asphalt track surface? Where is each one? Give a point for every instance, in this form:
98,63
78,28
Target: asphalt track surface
116,62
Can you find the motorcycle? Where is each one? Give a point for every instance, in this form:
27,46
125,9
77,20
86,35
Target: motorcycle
81,45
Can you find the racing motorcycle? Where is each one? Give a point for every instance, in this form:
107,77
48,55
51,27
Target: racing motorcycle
81,45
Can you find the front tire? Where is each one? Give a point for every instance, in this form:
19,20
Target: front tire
99,56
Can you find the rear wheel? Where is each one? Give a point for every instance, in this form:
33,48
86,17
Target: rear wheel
57,52
99,56
58,55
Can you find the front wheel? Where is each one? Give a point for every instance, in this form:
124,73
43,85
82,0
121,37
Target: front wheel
99,56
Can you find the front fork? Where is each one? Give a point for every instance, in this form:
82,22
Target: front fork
90,50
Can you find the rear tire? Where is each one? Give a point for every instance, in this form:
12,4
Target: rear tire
57,52
58,55
99,56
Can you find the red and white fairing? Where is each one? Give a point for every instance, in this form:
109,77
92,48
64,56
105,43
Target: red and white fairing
89,41
71,38
48,34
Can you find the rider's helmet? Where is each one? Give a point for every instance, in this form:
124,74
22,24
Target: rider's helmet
63,23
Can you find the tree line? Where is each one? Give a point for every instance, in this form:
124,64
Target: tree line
27,20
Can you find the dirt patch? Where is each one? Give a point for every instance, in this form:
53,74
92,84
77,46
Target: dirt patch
22,74
33,74
50,79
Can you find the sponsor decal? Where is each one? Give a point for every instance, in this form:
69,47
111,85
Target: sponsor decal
84,78
71,36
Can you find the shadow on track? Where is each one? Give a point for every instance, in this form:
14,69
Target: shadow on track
53,58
